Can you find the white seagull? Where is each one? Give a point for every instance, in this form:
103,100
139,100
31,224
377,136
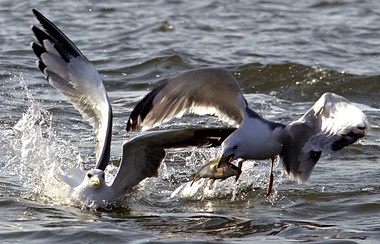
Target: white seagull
330,124
69,71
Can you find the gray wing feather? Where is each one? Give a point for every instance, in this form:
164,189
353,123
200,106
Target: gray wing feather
298,163
335,122
331,124
212,91
69,71
75,178
142,156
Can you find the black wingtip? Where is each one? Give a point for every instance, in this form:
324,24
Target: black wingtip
132,124
142,109
38,50
51,28
62,43
35,12
40,17
348,138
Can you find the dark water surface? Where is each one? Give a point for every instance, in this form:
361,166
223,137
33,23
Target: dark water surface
285,54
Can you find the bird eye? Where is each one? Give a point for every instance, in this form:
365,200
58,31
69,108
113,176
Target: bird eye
89,175
234,147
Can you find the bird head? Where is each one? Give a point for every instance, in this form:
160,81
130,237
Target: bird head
94,178
92,186
93,191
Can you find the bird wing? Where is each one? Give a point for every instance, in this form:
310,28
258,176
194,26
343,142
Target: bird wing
213,91
337,123
142,156
69,71
75,178
330,124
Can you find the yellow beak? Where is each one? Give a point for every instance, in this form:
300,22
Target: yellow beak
95,181
225,159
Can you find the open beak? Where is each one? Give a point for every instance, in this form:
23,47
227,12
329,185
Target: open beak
225,159
95,181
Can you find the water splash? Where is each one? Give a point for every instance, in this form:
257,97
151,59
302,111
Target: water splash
43,156
39,154
254,177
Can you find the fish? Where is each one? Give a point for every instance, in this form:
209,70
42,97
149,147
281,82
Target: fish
213,172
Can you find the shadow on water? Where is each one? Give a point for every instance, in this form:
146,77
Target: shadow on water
214,227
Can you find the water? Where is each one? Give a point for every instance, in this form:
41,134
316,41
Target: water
284,56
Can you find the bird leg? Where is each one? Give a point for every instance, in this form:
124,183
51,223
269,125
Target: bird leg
271,178
240,165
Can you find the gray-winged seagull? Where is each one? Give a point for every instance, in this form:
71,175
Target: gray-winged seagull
330,124
69,71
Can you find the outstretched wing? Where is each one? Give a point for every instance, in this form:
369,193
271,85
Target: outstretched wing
331,124
69,71
213,91
142,156
337,123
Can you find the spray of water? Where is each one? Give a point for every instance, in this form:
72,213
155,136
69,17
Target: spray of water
39,155
255,176
43,156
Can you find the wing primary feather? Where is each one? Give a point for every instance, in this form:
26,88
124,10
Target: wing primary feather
41,35
59,37
330,124
105,152
191,92
70,72
38,50
142,109
348,138
143,155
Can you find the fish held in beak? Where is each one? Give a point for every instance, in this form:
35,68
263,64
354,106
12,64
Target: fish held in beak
213,172
225,160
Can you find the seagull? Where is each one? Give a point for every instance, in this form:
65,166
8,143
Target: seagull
70,72
329,125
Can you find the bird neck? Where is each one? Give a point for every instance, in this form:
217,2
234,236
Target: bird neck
251,115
